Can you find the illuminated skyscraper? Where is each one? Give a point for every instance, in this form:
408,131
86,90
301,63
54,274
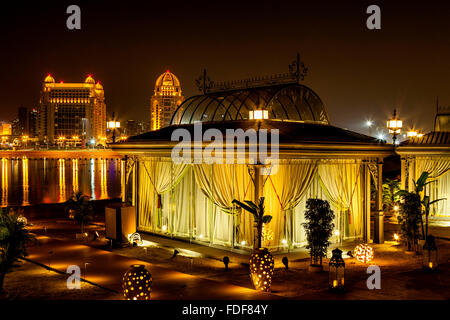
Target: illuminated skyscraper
165,100
71,111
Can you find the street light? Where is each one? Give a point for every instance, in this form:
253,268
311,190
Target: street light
113,125
394,126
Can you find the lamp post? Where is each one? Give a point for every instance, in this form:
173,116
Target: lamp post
394,126
113,125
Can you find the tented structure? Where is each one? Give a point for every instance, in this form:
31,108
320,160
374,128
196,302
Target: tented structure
430,153
305,157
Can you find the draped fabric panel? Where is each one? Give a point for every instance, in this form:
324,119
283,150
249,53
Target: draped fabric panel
157,177
283,191
437,167
222,183
342,183
195,201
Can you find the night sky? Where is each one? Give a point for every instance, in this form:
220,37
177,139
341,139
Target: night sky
358,73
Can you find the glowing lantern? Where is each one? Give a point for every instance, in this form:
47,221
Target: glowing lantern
261,269
430,256
336,271
363,253
137,283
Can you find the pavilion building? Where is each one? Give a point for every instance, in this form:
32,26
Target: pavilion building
431,153
309,158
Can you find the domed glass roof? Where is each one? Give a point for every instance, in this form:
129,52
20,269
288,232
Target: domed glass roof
291,102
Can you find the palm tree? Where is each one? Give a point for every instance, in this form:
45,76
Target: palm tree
79,208
419,189
13,239
258,216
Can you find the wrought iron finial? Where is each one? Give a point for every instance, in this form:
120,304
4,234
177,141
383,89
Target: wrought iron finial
298,69
204,83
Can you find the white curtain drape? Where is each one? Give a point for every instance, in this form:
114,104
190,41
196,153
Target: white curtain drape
283,191
341,181
436,166
222,183
157,177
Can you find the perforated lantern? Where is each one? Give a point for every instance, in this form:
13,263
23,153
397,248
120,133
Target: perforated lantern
430,256
336,271
137,283
363,253
261,269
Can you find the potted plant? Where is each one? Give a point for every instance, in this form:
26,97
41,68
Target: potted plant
80,209
13,239
261,261
409,219
425,203
319,228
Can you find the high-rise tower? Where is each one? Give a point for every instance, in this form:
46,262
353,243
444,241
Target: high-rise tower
71,110
165,100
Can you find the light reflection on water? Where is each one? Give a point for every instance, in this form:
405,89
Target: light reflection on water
27,181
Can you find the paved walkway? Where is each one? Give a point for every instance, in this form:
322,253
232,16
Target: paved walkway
106,269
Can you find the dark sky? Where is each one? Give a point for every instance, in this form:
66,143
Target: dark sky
357,72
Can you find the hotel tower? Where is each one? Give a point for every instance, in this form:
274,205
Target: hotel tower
71,111
165,100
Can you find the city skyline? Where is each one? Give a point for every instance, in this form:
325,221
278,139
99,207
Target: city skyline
355,70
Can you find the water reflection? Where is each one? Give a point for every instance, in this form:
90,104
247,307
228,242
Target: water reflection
27,181
5,174
62,180
75,186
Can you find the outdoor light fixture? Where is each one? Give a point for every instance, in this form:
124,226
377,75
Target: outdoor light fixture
258,114
369,123
336,271
200,236
284,241
394,126
261,269
430,256
226,261
243,243
396,237
137,283
164,228
363,253
285,261
412,133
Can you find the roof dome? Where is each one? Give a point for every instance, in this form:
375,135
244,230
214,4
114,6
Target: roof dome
286,102
167,79
90,80
98,86
49,79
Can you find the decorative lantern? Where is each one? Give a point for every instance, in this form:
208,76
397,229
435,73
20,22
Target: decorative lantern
363,253
430,256
394,126
261,269
337,271
137,283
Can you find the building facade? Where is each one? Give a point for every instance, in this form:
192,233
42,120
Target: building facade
165,100
71,111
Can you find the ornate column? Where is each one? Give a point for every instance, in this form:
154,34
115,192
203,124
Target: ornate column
366,207
378,236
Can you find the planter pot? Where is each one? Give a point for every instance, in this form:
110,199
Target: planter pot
419,247
315,268
261,269
137,283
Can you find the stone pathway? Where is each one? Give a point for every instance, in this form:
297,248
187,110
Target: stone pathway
106,269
